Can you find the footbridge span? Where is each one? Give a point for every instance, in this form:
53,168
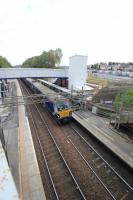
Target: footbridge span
76,72
11,73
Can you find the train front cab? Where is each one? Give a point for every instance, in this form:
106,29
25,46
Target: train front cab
64,111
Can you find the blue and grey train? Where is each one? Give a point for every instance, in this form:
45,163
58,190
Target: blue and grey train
59,108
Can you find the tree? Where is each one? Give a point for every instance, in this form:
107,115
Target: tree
122,100
129,98
59,55
125,98
4,62
49,59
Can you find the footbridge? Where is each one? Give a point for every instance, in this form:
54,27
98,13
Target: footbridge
76,73
14,73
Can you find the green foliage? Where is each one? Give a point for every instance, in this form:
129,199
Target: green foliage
129,98
117,101
49,59
125,98
4,62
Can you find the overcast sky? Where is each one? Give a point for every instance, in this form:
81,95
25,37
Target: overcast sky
101,29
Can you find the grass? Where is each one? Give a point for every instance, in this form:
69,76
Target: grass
95,80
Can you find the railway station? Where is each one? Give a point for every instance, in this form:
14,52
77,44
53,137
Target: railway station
56,143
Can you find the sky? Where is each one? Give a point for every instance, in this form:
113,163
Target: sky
101,29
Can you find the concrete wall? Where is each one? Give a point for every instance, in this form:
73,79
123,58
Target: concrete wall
77,71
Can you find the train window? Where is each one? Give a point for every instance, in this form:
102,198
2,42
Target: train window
62,106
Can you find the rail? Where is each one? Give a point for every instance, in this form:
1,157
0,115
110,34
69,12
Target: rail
78,187
93,170
92,148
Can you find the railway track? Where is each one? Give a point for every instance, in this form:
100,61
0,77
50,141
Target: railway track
115,185
113,182
63,182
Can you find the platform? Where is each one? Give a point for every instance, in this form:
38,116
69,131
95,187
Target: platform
99,127
31,187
